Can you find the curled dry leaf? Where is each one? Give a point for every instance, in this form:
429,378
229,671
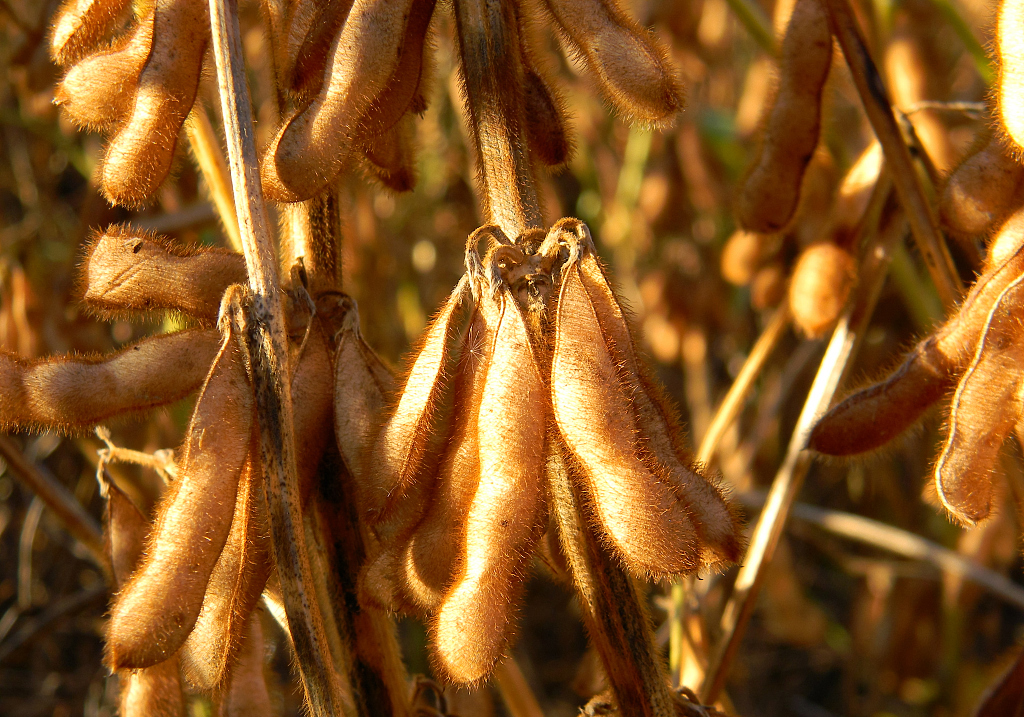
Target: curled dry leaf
771,191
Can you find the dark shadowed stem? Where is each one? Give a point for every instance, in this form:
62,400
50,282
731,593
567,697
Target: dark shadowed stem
59,500
614,613
264,336
493,73
791,474
313,229
923,223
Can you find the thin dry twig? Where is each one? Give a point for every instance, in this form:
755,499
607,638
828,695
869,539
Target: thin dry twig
40,481
789,479
878,107
266,342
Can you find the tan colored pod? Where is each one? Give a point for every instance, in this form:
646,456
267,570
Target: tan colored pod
391,155
638,512
1009,42
822,280
874,416
1006,242
128,269
139,156
125,530
507,515
770,192
742,256
313,408
982,190
987,404
81,26
246,694
768,288
153,692
214,646
715,520
394,457
629,63
854,195
98,92
547,125
155,612
430,556
312,29
69,393
312,147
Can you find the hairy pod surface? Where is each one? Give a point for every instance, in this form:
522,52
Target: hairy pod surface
215,644
81,26
69,393
982,190
715,521
873,416
98,92
155,612
771,191
507,514
392,155
630,64
125,533
312,29
246,694
547,126
430,556
139,156
313,411
1010,87
822,280
987,404
1006,242
153,692
648,527
127,269
399,447
311,148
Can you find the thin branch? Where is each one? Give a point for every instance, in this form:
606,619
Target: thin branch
59,499
790,476
265,339
902,542
923,223
207,154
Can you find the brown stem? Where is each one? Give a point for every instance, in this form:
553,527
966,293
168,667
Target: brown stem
923,223
263,336
493,73
613,612
313,231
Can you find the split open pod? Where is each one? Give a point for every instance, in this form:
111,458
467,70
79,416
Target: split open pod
531,357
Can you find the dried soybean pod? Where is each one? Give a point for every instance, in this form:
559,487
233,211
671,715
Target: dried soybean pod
1010,86
394,456
507,515
547,126
98,92
430,556
629,62
212,649
391,155
873,416
153,692
311,148
129,269
138,157
81,26
155,612
69,393
982,190
771,190
641,517
986,406
246,694
854,195
126,530
716,522
312,29
1006,242
743,254
313,407
822,280
768,288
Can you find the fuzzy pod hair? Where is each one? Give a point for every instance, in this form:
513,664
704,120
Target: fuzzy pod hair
75,393
391,155
1009,41
313,146
130,270
770,193
80,27
982,190
547,125
155,612
98,92
629,63
507,514
246,694
139,156
153,692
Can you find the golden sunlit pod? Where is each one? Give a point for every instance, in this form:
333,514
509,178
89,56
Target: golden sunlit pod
822,280
246,694
391,155
982,190
1009,42
81,26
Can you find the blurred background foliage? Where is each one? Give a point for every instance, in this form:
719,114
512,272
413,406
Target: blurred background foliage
841,628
